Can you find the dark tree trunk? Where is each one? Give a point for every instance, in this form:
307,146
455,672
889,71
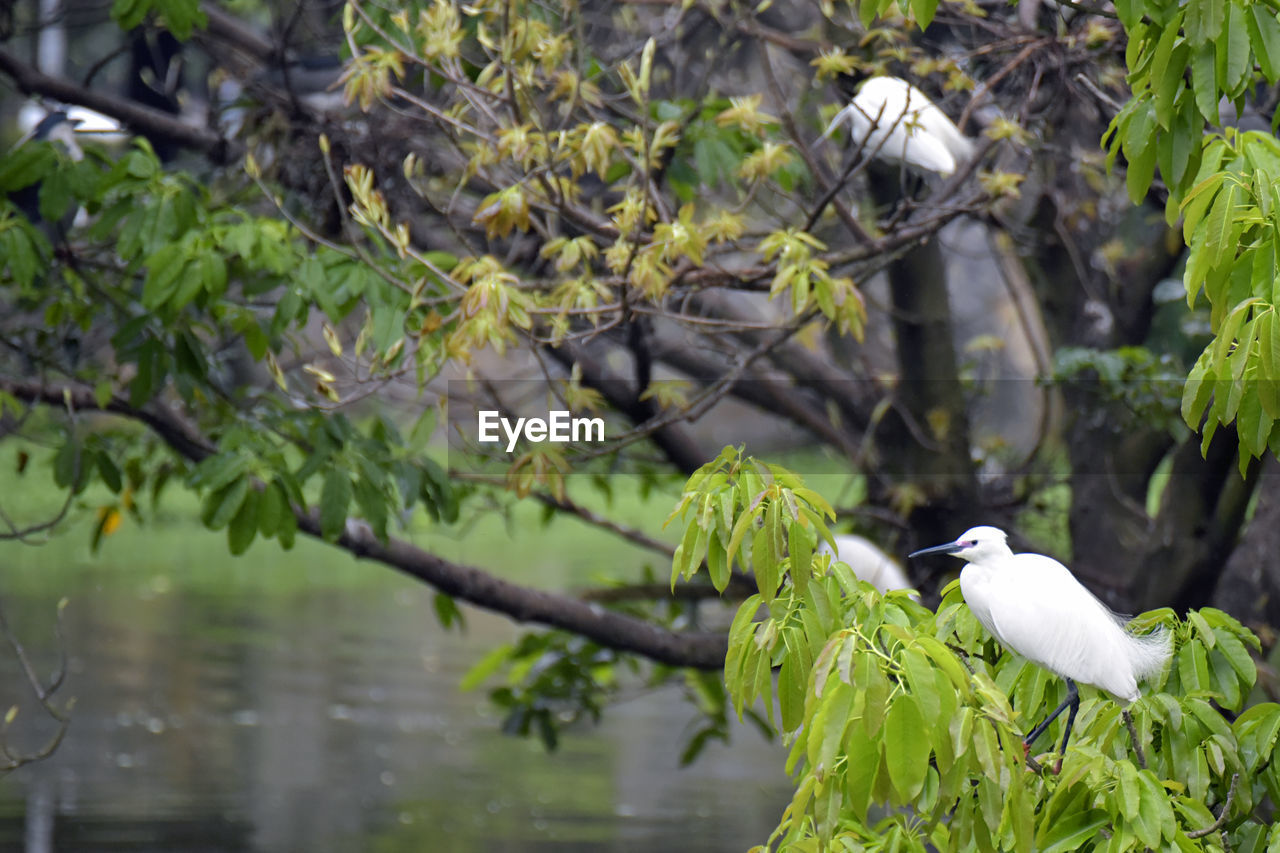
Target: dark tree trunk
1249,586
925,437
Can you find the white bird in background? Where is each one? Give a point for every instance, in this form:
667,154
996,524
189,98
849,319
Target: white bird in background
868,562
83,121
1035,607
894,121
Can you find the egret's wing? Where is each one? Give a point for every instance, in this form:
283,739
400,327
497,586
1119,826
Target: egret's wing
839,119
868,562
926,152
941,128
1039,610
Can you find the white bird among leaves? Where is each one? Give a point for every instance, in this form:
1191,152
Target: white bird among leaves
1035,607
894,121
868,562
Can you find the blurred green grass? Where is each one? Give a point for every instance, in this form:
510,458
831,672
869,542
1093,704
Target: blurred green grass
512,539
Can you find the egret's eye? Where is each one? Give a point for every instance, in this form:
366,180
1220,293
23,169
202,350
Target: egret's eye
970,543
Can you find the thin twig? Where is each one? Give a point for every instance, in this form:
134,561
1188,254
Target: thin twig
43,692
1222,816
1133,738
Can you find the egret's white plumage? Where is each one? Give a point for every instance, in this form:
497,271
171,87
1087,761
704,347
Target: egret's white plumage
868,562
1035,607
896,122
83,120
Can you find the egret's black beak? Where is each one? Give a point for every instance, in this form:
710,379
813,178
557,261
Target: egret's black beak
949,548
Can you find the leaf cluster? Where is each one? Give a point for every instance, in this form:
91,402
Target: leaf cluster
905,725
1184,59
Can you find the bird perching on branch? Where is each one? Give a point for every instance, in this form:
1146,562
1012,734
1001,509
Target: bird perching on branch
895,122
1035,607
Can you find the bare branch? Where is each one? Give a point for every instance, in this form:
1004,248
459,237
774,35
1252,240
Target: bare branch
1133,738
1222,816
44,695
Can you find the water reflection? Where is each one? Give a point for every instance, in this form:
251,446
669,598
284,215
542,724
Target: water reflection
330,720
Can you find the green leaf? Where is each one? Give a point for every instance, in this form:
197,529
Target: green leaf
923,11
792,680
801,555
947,661
1204,80
129,13
447,611
1268,378
221,505
1068,832
218,470
1264,35
25,166
1204,20
1140,150
1168,86
1256,730
1220,230
862,759
1128,791
244,525
1233,51
717,562
1163,68
1227,332
826,730
373,506
55,195
271,507
335,497
1253,428
739,531
1197,391
1193,667
1196,203
906,747
485,667
110,471
920,677
1147,822
1237,656
683,564
164,272
1202,628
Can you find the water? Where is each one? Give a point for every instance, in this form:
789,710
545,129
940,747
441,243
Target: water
235,716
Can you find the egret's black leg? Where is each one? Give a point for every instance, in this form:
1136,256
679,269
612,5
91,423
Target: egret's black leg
1072,701
1071,718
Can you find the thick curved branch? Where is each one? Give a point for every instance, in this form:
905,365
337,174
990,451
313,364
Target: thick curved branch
227,28
773,395
474,586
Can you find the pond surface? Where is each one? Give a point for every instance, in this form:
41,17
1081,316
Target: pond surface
235,716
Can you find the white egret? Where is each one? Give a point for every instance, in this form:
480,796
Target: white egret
896,122
868,562
1035,607
83,121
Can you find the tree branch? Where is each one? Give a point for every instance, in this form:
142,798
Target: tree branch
143,120
1222,817
565,505
699,650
